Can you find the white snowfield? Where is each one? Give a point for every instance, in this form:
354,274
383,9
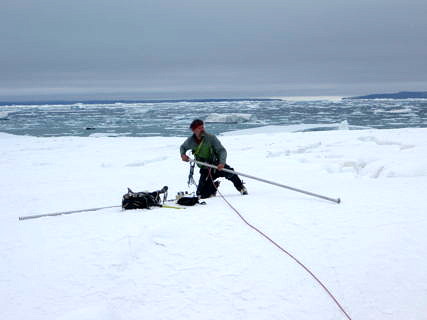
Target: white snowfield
203,262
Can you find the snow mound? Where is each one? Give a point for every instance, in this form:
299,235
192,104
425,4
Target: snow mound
404,110
107,134
229,117
378,157
344,125
4,115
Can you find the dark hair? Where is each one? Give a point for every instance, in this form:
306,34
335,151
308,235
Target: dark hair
196,123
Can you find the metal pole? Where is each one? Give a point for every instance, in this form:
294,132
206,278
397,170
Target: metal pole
338,200
64,212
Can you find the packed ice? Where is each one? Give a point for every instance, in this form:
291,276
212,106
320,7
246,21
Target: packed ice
203,262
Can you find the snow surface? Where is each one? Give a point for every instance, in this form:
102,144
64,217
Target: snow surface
203,262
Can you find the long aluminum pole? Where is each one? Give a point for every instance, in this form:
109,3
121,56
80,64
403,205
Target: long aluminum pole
338,200
64,212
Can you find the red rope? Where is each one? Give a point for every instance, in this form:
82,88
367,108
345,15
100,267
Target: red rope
282,249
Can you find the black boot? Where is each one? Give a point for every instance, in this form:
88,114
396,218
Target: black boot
243,190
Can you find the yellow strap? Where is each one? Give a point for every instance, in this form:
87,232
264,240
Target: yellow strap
172,207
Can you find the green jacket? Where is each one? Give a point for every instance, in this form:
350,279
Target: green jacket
209,150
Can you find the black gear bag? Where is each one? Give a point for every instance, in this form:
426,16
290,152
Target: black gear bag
188,201
143,200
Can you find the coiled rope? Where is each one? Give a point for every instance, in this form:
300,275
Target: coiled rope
281,249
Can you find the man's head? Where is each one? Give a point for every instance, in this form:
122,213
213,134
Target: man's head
197,126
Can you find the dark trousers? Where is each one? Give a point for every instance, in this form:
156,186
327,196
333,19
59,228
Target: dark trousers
206,187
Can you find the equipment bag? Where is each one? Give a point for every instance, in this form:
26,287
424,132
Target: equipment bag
188,201
143,200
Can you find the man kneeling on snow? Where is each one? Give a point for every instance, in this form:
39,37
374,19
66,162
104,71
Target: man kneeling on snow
207,148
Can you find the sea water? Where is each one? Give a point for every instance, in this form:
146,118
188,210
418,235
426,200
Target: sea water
172,118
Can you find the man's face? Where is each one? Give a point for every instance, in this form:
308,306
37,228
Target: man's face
198,130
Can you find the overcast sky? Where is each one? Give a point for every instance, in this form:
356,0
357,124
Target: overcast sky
210,48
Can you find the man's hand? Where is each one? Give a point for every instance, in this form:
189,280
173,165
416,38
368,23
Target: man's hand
185,158
220,166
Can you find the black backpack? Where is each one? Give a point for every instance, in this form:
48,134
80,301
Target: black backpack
188,201
143,200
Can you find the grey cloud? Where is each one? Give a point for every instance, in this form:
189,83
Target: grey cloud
251,46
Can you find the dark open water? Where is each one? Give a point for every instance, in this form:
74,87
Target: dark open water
172,118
